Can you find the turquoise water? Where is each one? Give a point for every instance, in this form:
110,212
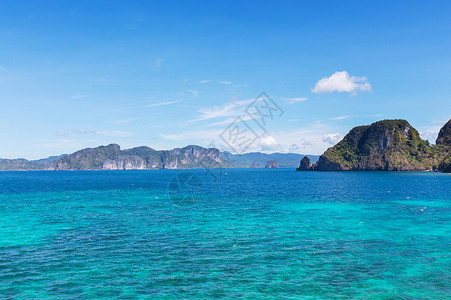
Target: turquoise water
241,233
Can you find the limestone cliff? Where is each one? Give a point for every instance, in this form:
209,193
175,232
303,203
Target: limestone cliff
305,164
443,148
388,145
111,157
271,164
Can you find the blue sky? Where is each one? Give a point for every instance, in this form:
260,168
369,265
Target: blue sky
166,74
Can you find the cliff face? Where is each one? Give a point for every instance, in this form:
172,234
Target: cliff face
305,164
271,164
125,163
111,157
388,145
443,148
87,159
444,136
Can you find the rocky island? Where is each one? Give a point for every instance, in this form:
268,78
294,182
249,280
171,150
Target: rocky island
271,164
387,145
112,157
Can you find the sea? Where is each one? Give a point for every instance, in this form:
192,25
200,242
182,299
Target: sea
231,233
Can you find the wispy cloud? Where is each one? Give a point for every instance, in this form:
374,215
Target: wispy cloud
94,132
163,103
229,110
341,118
375,115
229,121
195,93
342,82
294,100
224,82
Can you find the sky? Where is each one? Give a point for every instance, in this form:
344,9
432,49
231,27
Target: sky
166,74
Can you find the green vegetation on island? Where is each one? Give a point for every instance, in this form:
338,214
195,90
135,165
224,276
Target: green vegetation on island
387,145
111,157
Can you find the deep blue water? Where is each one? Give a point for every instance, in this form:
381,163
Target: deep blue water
253,233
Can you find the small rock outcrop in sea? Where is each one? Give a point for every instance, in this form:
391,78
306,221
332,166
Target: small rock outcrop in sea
388,145
305,164
254,165
271,164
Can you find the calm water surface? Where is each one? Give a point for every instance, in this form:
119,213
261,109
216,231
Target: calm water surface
240,233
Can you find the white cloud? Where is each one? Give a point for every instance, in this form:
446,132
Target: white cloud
332,138
342,82
340,117
231,109
296,148
430,133
313,139
195,93
204,81
294,100
375,115
225,82
162,103
268,143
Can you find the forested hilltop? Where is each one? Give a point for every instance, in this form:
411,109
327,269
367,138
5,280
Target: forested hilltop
387,145
112,157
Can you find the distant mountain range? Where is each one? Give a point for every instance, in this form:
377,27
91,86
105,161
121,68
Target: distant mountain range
387,145
111,157
258,159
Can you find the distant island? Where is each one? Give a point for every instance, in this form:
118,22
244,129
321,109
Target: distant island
111,157
387,145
